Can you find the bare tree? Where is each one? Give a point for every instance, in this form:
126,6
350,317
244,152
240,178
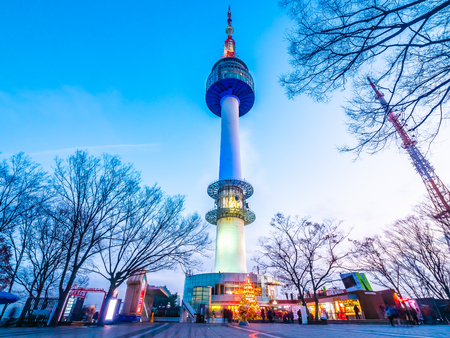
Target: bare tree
280,253
18,238
406,41
317,247
43,257
427,211
88,191
5,256
375,256
410,257
22,188
151,234
422,254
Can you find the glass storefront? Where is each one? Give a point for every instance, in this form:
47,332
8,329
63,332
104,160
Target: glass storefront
201,295
337,310
226,287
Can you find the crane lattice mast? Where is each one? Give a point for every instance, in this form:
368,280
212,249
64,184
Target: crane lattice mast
439,193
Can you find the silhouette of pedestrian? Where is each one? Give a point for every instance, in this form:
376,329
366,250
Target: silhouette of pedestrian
391,313
356,308
270,316
95,317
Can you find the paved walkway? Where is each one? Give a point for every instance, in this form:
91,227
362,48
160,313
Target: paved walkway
171,330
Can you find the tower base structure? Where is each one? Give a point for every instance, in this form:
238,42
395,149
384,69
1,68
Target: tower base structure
226,290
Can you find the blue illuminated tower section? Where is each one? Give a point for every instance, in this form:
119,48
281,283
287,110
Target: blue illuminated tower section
230,95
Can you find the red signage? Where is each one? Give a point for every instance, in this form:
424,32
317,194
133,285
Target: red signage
141,296
78,293
82,292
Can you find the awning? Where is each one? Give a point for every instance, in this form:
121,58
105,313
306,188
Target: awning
7,298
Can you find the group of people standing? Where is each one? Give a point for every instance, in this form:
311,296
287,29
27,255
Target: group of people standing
288,317
270,315
403,316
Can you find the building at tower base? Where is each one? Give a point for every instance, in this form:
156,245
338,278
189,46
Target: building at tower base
226,289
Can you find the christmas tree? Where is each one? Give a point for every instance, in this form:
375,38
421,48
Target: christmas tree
248,308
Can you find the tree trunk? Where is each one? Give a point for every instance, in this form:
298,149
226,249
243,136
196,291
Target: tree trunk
302,297
60,307
104,310
316,303
39,291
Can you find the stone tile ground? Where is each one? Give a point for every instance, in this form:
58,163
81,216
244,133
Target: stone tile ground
160,330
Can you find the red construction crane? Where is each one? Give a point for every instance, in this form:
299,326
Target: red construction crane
439,194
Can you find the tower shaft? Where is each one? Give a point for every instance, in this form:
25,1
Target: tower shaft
230,235
230,153
438,192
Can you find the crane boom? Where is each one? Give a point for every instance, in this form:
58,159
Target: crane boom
439,193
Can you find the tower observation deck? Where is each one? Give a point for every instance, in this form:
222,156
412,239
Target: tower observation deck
229,95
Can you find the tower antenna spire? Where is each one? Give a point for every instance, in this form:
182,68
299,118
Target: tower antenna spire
229,48
439,193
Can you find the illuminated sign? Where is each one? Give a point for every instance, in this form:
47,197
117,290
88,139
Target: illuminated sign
141,297
78,293
70,303
111,309
354,281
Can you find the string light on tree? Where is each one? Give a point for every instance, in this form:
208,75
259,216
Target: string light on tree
248,307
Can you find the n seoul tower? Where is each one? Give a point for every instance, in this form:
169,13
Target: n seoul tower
230,94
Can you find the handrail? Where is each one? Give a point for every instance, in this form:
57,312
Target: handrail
189,309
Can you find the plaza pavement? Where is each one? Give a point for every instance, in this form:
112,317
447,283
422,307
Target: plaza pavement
171,330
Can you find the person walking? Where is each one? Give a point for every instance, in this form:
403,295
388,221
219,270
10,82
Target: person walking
383,311
401,315
414,316
390,312
263,315
270,315
95,317
356,308
299,313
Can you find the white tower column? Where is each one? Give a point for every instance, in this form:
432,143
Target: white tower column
230,153
230,245
230,235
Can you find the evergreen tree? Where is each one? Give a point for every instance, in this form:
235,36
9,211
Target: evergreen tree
248,307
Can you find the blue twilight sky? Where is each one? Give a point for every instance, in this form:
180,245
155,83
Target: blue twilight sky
128,78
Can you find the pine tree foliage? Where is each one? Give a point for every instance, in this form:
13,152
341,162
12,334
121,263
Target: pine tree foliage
248,307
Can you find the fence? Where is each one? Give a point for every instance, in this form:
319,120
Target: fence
36,312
